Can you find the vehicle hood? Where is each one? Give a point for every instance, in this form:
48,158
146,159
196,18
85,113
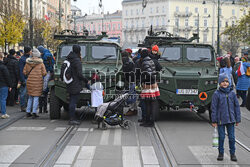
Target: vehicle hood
190,71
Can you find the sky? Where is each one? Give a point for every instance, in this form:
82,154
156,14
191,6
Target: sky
88,6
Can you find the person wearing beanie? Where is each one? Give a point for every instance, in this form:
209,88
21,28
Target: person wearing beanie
12,64
225,114
155,52
48,61
23,78
150,90
34,70
75,87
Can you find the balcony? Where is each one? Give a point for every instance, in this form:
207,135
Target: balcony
182,14
184,29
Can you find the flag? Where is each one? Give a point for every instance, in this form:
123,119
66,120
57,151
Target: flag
240,70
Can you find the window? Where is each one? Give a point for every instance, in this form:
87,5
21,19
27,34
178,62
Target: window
195,54
126,12
152,22
163,9
142,23
186,10
220,23
109,25
119,26
132,23
137,11
99,27
157,22
163,21
205,10
186,22
114,27
196,10
196,22
126,24
233,12
177,8
220,11
131,12
157,9
137,25
177,22
65,50
205,23
204,38
186,35
99,52
171,53
142,11
151,10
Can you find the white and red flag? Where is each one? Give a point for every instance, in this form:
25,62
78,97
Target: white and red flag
240,70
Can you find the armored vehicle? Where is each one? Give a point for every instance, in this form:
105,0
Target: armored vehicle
189,75
99,56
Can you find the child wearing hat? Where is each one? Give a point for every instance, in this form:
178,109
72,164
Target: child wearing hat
225,114
155,52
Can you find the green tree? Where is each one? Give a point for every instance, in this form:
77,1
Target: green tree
11,28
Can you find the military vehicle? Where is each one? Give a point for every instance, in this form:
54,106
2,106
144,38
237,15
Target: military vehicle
98,56
189,75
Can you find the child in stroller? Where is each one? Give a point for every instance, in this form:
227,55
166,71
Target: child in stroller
111,113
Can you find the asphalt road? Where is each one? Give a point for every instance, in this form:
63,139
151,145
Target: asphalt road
181,138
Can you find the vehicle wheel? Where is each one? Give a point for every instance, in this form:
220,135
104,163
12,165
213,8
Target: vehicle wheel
201,110
55,106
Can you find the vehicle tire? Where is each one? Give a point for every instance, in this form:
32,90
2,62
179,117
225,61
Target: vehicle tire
201,110
55,106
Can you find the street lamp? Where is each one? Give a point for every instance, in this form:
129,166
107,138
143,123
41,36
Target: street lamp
31,23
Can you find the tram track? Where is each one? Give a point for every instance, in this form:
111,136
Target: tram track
11,121
55,151
246,148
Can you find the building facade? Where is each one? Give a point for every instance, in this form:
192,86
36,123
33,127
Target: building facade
179,17
53,12
96,23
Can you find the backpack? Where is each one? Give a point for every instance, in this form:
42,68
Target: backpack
248,71
66,72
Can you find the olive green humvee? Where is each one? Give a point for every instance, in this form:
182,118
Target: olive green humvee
98,56
189,76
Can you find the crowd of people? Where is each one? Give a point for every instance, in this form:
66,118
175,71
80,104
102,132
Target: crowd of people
24,77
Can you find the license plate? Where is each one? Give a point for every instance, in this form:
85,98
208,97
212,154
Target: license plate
85,91
187,91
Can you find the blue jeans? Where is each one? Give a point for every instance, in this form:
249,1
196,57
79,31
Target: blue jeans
3,97
231,137
72,105
35,101
23,96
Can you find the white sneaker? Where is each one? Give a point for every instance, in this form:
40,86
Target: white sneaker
5,116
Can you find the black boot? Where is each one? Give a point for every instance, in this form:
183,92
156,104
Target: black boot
40,110
220,157
34,116
233,157
149,124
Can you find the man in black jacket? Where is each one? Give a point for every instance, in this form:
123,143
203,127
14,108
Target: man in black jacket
12,65
4,84
75,87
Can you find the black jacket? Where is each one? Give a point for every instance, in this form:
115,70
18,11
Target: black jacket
12,64
128,69
148,70
4,76
77,84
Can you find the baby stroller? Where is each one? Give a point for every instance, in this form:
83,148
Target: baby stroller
111,113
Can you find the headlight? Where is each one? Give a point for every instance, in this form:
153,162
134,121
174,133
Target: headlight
166,81
120,84
212,82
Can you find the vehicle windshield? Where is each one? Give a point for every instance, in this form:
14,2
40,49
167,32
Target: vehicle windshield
100,52
66,49
199,54
170,53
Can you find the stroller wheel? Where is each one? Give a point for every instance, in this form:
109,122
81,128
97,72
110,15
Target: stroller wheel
126,124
